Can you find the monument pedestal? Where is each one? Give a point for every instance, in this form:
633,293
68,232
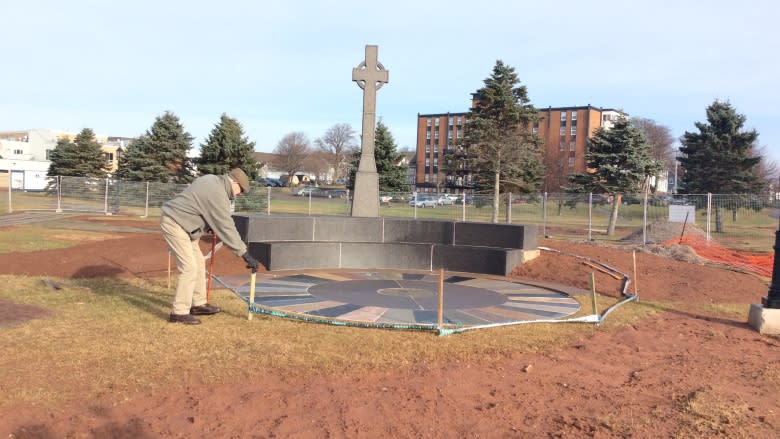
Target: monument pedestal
365,200
764,320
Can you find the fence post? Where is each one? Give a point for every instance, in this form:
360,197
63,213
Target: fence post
105,199
59,194
10,201
146,203
463,208
415,204
590,215
509,208
309,203
268,204
544,215
709,214
644,216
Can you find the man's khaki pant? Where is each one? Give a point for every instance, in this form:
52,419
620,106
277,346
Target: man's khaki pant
191,287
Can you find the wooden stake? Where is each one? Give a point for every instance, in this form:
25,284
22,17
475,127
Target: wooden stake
593,292
211,265
440,312
636,283
252,279
169,270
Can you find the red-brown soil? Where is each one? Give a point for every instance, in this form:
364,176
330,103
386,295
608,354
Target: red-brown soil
682,372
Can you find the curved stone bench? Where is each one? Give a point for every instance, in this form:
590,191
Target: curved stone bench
296,242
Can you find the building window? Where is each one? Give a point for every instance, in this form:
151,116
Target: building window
436,135
427,178
574,130
449,122
428,120
437,121
563,130
571,162
109,157
563,116
427,162
428,135
435,161
573,116
18,152
427,148
572,145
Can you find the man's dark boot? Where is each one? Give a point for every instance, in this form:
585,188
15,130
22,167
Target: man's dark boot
186,319
206,309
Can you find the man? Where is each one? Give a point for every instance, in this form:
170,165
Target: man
205,204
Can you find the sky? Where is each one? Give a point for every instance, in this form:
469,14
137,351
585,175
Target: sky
286,66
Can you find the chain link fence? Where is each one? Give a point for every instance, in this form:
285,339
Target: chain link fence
738,221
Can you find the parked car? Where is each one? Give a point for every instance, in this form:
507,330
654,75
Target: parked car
469,199
423,201
269,182
447,199
337,193
630,199
385,199
305,191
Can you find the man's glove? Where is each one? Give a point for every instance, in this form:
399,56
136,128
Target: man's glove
250,262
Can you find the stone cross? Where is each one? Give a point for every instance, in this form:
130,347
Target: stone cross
370,75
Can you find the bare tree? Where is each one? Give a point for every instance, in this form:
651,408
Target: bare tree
766,169
338,141
659,138
291,152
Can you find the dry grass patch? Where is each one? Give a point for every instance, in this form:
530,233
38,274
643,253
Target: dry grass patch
29,238
706,412
111,337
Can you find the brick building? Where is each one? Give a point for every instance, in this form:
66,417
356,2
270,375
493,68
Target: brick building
563,130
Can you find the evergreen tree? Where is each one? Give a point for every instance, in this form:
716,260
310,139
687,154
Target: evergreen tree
499,146
227,148
618,162
719,158
161,154
81,158
392,177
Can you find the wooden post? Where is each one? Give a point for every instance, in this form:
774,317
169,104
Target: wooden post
440,312
593,292
169,269
211,265
636,283
252,279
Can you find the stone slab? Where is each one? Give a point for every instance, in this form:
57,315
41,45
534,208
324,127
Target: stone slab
764,320
496,235
347,229
424,231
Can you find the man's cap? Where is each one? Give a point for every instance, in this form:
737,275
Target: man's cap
239,177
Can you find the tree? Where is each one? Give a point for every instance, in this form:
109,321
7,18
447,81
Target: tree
659,139
500,147
392,176
81,158
291,151
719,157
618,162
226,148
338,141
160,154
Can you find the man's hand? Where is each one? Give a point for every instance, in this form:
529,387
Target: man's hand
250,262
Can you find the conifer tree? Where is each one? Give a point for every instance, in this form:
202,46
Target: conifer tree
82,157
499,146
618,162
392,177
227,147
720,158
161,154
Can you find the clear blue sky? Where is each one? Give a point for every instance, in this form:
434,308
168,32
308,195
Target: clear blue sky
284,66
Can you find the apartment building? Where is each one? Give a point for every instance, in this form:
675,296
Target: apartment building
24,147
563,130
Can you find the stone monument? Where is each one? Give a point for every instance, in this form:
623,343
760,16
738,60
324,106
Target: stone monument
370,75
